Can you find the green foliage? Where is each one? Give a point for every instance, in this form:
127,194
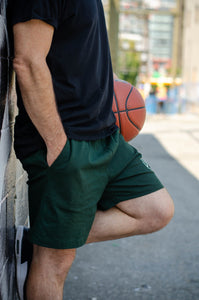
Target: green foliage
129,64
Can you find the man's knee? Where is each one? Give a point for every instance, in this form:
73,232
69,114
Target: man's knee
162,211
57,261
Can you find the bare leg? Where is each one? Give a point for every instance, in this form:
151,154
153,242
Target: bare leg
48,272
133,217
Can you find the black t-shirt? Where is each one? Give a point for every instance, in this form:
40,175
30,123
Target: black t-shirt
80,65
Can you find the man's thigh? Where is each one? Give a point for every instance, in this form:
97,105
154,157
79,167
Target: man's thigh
154,210
148,204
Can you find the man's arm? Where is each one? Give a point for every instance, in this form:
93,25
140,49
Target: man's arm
32,41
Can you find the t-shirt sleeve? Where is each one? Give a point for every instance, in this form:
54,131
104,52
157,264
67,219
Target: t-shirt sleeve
46,10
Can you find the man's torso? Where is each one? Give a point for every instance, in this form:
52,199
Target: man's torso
80,65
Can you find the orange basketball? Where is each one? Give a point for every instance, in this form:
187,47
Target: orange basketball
129,109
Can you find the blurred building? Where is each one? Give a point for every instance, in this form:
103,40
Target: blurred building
161,42
151,32
190,51
152,28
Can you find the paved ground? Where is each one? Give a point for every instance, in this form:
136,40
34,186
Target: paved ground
164,265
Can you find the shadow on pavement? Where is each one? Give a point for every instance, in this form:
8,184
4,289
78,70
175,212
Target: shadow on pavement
160,266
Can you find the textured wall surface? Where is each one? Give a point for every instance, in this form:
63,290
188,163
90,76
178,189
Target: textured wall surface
13,190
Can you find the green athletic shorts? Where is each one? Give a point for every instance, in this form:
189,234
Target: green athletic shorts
86,176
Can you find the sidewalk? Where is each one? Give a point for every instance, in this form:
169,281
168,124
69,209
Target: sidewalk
179,135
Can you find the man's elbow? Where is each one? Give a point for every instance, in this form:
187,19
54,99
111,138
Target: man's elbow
23,64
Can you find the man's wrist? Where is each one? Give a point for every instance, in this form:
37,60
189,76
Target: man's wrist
56,142
55,147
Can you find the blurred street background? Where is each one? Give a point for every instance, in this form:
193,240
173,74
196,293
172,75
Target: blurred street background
154,46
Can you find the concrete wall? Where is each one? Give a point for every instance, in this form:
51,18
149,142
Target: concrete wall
13,190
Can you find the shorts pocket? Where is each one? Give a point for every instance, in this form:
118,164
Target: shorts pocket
62,158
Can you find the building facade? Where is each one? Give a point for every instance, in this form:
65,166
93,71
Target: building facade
147,27
151,32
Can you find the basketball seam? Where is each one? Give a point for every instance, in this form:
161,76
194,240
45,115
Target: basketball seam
127,109
116,103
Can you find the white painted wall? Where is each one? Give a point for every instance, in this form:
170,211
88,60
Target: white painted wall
5,146
13,189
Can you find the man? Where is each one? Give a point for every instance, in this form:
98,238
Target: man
86,184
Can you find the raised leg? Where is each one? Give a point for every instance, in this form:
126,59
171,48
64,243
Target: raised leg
141,215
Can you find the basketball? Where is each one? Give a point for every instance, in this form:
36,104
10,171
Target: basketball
129,109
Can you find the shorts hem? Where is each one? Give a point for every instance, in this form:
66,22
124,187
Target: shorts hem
56,244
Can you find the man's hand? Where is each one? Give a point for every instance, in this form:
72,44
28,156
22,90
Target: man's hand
54,151
32,41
